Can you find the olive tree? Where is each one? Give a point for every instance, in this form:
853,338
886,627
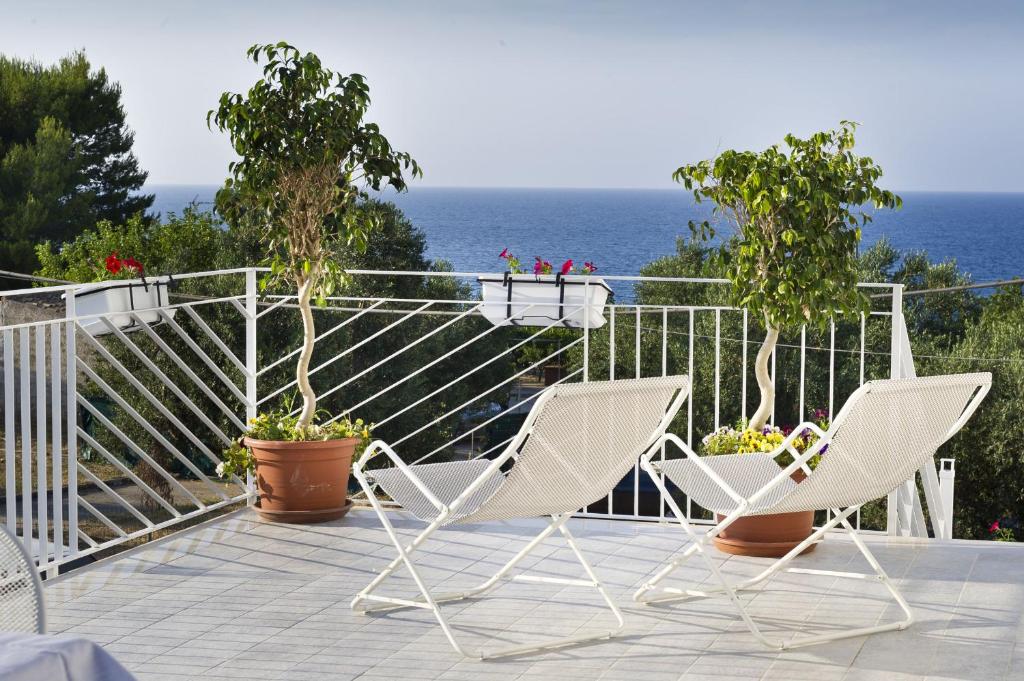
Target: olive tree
306,158
797,214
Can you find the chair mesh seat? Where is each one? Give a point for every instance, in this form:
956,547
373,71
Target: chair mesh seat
20,600
585,438
744,473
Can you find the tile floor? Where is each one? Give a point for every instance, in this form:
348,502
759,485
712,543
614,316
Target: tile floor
240,598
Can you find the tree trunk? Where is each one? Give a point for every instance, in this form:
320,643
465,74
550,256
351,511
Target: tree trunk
764,381
302,370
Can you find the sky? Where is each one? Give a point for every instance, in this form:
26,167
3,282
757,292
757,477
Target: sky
573,93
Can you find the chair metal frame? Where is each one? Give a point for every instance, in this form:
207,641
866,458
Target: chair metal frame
557,523
650,593
34,580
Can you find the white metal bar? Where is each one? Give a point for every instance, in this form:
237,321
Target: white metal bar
57,441
187,370
863,336
201,323
251,361
611,343
25,362
803,370
390,357
718,364
206,359
94,479
457,379
121,402
743,372
95,512
586,330
892,501
689,372
325,334
150,492
831,369
9,453
168,383
71,416
349,350
636,368
42,450
775,351
664,372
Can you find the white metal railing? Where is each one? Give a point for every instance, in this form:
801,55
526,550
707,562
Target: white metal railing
167,398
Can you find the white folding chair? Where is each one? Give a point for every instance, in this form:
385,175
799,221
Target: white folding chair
884,433
21,590
577,443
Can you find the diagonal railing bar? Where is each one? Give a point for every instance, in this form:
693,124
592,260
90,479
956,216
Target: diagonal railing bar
325,334
443,357
395,354
141,453
94,479
150,492
496,447
207,360
274,306
90,541
348,351
168,383
201,323
495,417
187,370
487,391
240,307
159,407
96,513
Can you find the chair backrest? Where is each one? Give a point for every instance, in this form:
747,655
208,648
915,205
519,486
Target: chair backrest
583,439
884,433
21,592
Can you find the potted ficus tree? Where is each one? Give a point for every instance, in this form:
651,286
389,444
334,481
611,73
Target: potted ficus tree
797,215
306,158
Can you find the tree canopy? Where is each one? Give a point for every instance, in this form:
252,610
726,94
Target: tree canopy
66,159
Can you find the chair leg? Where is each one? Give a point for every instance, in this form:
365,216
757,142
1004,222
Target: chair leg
432,602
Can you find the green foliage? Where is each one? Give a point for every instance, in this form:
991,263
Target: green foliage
798,216
307,157
66,157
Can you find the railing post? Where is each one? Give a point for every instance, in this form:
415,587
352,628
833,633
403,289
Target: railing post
947,474
895,351
71,378
586,330
250,360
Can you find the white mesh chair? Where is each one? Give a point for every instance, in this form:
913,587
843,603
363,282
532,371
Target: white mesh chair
577,443
884,433
21,591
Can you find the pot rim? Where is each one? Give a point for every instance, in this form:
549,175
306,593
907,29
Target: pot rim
298,444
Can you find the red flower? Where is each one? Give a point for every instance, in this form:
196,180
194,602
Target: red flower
113,263
589,267
994,527
133,264
567,266
504,254
538,266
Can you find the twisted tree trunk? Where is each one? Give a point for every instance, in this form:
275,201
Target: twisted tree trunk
764,380
302,368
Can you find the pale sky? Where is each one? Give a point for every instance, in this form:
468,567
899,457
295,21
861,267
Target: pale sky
578,94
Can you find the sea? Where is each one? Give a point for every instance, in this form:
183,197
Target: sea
620,230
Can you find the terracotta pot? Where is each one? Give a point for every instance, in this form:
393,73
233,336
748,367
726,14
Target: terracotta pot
303,482
767,536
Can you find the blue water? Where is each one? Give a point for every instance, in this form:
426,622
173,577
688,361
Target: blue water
621,230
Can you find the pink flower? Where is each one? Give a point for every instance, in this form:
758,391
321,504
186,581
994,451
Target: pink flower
538,266
567,266
994,527
589,267
504,254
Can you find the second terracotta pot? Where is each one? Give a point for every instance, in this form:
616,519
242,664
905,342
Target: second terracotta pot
303,482
767,536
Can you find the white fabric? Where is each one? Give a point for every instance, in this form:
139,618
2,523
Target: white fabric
34,657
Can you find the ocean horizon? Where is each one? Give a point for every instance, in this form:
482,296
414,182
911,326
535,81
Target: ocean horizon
623,229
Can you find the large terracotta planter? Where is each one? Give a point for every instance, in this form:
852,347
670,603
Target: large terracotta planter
767,536
303,482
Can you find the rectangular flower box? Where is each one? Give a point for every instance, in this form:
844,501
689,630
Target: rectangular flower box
541,300
117,299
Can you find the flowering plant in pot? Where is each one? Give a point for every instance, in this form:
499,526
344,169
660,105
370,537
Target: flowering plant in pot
796,215
771,535
120,289
568,296
306,158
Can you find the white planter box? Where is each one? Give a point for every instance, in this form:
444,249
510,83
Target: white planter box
116,299
541,300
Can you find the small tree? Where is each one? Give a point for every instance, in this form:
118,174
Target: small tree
306,159
798,219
